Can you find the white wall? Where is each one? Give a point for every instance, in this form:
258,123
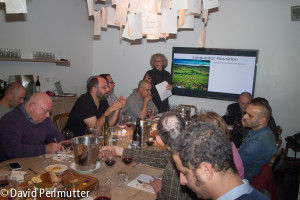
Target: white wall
64,28
263,25
56,26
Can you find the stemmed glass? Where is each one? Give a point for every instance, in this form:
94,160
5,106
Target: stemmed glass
109,160
90,131
129,122
152,114
67,141
127,157
102,190
150,140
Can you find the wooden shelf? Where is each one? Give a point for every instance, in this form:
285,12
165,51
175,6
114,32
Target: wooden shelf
58,62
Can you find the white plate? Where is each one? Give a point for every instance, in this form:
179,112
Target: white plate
72,166
57,168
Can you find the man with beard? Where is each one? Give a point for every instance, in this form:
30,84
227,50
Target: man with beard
87,111
203,156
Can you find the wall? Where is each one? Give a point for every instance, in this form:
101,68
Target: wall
65,28
263,25
56,26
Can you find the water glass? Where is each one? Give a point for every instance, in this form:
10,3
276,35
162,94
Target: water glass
122,178
103,190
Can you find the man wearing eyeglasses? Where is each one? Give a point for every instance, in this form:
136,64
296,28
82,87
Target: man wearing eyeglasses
88,111
28,130
112,97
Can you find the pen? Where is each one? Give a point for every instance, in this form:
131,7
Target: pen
55,140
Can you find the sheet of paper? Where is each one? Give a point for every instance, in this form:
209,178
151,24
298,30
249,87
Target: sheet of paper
209,4
189,21
145,179
104,17
97,22
169,21
136,6
180,18
162,91
15,6
90,4
121,12
126,32
195,6
111,16
180,4
151,5
114,2
150,23
135,25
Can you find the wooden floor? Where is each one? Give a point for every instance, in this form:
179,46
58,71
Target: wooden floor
287,183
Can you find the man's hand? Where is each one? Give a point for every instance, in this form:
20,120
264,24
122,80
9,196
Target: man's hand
122,100
148,78
148,97
117,105
53,147
156,184
116,150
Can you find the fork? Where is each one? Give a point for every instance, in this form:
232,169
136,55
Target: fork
32,170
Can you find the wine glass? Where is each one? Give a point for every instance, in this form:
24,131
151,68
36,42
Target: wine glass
150,140
127,157
109,160
67,142
90,131
102,190
129,122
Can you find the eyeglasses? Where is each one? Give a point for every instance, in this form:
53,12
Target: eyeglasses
103,87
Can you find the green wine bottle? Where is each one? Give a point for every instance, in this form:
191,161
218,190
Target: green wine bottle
106,131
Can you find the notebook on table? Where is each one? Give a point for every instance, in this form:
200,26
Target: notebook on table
60,91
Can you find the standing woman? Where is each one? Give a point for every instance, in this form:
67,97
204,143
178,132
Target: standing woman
157,75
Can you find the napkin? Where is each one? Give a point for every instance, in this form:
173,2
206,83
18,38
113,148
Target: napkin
17,175
142,186
60,156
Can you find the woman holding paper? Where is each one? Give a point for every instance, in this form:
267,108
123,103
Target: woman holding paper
157,75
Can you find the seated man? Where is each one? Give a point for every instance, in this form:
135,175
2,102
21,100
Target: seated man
272,123
234,116
203,155
87,111
169,126
112,98
28,130
140,101
259,145
14,95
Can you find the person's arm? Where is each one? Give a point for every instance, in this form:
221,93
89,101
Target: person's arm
144,109
115,115
249,151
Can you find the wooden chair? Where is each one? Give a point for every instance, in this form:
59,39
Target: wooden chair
60,120
279,141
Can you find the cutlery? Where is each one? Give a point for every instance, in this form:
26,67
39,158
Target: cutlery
144,182
32,171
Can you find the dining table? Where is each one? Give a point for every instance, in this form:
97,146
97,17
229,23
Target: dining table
34,166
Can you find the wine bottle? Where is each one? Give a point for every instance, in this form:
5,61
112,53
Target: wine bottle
106,131
37,84
137,135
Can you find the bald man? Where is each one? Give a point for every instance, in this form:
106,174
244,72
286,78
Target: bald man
259,145
28,130
14,95
140,100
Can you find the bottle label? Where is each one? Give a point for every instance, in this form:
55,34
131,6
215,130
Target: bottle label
37,88
112,140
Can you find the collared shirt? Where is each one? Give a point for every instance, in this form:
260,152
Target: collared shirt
27,116
256,150
238,191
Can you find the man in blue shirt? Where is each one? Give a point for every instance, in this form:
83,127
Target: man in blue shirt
259,145
203,156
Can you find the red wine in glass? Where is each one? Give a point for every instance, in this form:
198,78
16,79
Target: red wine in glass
3,183
129,124
150,143
127,160
110,162
102,198
67,144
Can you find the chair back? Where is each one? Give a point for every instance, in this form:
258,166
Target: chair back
279,141
60,120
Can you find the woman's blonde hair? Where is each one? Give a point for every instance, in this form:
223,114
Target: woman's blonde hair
215,119
163,58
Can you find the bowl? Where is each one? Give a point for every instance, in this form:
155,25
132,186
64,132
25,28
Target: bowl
57,168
